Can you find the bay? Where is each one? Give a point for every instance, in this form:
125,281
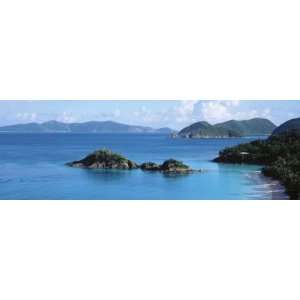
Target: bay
32,166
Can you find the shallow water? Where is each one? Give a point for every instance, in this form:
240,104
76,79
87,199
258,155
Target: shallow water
32,167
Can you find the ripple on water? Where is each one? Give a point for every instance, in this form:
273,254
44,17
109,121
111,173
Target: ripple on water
265,187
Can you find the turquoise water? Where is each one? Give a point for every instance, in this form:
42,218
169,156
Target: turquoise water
32,167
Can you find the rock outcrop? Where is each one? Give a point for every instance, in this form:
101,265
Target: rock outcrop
168,166
150,166
104,159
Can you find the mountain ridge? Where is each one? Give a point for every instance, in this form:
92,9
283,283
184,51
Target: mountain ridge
290,126
231,128
53,126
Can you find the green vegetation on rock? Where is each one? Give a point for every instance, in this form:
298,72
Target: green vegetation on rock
168,166
104,159
204,130
174,165
256,126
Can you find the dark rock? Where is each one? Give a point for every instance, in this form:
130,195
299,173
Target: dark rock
150,166
175,166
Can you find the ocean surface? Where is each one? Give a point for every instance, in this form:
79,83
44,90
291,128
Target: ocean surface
32,166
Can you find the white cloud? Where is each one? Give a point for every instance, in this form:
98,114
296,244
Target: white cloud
26,117
66,118
220,111
181,114
215,111
266,113
233,103
117,113
108,115
185,111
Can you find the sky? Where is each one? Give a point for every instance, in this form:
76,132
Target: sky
173,114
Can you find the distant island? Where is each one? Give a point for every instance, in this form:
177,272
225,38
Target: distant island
87,127
279,154
106,159
232,128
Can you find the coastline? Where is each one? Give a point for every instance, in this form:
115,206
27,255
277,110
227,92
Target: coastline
267,185
278,156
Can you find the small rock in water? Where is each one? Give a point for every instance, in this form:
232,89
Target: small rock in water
168,166
104,159
150,166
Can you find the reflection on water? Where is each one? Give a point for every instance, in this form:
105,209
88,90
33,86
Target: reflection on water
107,175
176,175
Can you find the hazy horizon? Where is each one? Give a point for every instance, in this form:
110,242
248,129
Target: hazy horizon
174,114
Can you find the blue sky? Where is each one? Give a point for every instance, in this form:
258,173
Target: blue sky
174,114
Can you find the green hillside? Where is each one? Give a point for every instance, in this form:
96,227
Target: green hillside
231,128
204,130
291,126
256,126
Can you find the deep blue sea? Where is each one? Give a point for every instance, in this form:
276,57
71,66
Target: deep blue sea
32,166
